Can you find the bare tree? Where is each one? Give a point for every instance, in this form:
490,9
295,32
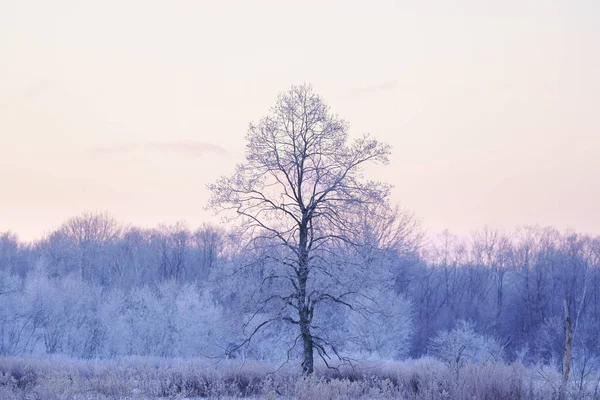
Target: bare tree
299,197
209,243
12,254
172,247
86,235
493,250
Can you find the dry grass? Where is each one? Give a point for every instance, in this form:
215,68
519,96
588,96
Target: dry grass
150,378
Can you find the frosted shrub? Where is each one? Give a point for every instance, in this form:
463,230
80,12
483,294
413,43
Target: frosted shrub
462,344
198,319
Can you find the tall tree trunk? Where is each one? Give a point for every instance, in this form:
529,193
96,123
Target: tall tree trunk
499,298
568,348
305,312
307,341
305,320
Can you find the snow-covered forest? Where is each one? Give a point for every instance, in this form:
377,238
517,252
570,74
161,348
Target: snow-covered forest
96,289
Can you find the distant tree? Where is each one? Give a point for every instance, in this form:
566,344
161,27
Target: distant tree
493,250
300,197
577,257
12,254
86,236
172,246
209,243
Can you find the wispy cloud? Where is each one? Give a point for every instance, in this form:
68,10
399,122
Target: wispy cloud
192,148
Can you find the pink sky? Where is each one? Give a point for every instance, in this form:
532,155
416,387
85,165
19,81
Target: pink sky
132,107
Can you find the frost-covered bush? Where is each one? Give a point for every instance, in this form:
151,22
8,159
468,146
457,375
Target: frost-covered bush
550,339
462,344
169,320
68,316
43,315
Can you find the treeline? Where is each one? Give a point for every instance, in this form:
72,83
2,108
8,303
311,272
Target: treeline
95,288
